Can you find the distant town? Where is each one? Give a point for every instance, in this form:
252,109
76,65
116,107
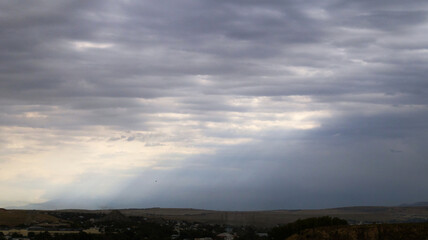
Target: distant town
115,225
183,224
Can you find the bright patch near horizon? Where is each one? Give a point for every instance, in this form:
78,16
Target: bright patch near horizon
89,45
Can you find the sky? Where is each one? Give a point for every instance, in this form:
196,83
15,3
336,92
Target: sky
226,105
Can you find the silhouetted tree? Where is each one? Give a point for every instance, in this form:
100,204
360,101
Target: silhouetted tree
282,232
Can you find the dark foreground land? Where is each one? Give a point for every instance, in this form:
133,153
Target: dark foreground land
411,231
157,223
354,215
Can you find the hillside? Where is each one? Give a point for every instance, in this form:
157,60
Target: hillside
353,215
13,218
414,231
114,216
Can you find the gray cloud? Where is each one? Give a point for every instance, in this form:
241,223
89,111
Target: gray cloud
194,77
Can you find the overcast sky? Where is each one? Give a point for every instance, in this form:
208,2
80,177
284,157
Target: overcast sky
233,105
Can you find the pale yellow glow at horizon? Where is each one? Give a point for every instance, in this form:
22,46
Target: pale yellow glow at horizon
57,158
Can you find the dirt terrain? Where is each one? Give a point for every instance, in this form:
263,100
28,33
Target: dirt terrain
12,218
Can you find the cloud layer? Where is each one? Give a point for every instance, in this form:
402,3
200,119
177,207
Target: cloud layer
213,104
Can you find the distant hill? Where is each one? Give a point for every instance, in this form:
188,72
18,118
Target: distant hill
12,218
354,215
114,216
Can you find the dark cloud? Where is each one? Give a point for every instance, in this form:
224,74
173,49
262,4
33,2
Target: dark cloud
330,97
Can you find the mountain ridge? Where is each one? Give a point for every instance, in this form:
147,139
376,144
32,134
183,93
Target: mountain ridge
269,218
